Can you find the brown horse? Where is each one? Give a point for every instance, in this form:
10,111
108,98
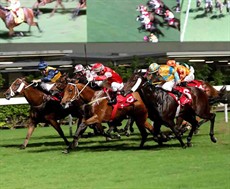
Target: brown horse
39,3
163,108
10,23
42,108
98,110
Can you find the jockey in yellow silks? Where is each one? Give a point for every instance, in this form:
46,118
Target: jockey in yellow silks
164,73
50,76
185,72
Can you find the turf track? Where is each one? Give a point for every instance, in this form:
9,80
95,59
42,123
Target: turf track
116,21
58,28
201,27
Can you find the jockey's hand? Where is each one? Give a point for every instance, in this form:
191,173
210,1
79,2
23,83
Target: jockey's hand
89,77
36,80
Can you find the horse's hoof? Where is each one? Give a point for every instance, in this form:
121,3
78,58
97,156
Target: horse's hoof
66,151
22,147
213,139
108,138
189,144
127,134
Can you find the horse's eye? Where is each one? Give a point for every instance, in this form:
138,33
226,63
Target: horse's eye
70,90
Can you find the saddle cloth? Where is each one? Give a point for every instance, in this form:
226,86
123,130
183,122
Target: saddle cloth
122,101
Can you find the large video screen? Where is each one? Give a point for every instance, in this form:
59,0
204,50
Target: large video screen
80,21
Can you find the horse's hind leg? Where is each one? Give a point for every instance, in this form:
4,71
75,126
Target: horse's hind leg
211,117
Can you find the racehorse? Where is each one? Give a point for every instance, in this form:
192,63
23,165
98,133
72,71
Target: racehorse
59,87
42,108
97,110
10,23
163,107
39,3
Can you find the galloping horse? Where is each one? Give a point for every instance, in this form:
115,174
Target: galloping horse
10,23
98,111
59,87
42,108
39,3
163,107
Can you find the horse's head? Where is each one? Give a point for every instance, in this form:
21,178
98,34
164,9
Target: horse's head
135,81
15,88
70,94
62,82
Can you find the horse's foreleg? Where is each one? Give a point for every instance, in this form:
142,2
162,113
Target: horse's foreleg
30,131
211,133
57,127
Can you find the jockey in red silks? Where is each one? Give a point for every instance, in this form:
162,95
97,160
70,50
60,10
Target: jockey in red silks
110,79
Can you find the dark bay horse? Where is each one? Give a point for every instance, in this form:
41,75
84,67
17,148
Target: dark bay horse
163,108
98,110
42,108
10,23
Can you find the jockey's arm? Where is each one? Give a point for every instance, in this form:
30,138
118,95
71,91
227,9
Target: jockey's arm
103,77
48,78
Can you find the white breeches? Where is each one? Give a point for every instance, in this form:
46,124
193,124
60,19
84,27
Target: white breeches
117,86
168,85
47,86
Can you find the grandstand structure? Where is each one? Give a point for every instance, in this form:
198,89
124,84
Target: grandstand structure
17,58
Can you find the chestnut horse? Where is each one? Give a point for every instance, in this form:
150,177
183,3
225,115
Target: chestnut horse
163,108
10,23
42,108
97,110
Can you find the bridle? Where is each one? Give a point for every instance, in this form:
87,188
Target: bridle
20,88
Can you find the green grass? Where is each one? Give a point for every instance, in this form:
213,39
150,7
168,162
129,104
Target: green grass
115,21
201,27
98,164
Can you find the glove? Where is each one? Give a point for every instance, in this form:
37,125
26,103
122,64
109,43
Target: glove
36,80
89,77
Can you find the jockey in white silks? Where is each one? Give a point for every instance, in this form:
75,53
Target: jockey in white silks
169,16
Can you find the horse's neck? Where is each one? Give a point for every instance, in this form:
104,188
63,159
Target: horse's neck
34,96
86,92
2,14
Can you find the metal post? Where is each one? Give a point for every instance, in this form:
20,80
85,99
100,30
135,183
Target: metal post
70,125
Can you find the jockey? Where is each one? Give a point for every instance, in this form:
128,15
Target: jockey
177,5
185,72
79,70
50,76
110,78
153,38
14,6
169,16
167,74
154,4
207,2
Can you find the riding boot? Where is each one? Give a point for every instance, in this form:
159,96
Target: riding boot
183,84
113,98
178,93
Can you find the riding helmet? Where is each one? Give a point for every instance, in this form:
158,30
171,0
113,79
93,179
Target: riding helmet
42,65
98,67
153,68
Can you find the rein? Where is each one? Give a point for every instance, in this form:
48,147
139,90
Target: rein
77,92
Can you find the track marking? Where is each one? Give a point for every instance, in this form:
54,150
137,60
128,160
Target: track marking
185,22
